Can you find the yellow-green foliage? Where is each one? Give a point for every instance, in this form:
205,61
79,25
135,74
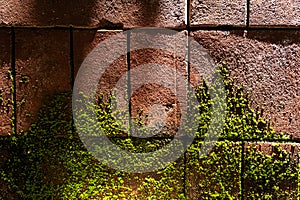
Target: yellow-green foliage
50,162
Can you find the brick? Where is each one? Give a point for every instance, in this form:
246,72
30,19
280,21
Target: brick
6,104
156,102
42,70
85,43
274,12
216,174
266,63
271,170
218,12
127,13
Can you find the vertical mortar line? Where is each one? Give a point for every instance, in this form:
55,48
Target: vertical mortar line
71,43
298,178
242,170
247,13
188,12
72,57
188,23
128,81
14,86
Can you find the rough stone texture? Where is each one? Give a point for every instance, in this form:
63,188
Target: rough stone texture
42,70
156,102
280,12
262,175
267,64
85,41
113,65
5,83
218,12
162,13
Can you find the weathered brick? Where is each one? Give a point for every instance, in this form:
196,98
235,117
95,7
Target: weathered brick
266,63
42,69
5,83
270,12
156,102
218,12
270,170
129,13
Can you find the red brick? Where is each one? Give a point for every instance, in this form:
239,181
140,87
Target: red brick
267,64
278,12
153,92
130,13
218,12
42,68
5,83
85,42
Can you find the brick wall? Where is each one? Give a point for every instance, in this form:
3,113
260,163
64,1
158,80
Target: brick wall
43,43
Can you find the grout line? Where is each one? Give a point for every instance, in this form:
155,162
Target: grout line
242,171
219,140
71,39
188,24
129,80
14,87
298,178
182,28
72,57
247,13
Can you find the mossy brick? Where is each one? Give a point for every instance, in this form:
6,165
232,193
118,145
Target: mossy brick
42,70
266,64
220,12
215,175
92,13
270,170
86,43
6,78
278,13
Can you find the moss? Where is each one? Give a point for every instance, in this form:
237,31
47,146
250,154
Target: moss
242,122
49,161
214,176
271,175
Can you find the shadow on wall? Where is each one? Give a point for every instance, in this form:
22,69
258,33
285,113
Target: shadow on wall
149,10
61,12
104,13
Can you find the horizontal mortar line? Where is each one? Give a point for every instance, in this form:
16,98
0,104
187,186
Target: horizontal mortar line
243,27
66,27
178,28
112,28
265,140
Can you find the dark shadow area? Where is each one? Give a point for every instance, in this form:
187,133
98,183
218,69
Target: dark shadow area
61,12
149,11
284,37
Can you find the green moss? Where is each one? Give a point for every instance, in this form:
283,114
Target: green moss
49,161
214,176
242,121
271,175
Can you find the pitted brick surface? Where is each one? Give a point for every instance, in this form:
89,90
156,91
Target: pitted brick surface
267,64
219,12
92,13
280,12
